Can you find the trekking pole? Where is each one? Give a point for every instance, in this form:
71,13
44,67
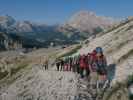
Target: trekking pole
106,84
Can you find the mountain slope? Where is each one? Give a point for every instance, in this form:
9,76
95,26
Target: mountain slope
118,47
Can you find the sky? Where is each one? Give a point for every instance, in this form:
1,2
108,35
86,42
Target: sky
59,11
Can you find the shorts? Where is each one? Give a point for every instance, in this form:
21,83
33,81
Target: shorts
93,77
102,71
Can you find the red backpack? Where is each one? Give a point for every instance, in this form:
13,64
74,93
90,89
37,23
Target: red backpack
83,62
92,61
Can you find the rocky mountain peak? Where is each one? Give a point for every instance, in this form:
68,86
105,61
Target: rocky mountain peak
87,21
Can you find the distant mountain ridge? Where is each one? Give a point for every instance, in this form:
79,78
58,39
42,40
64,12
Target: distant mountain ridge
83,21
79,27
9,24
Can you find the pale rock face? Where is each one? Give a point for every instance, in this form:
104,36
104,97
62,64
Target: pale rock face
88,21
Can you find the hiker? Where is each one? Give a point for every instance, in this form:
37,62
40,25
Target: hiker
78,64
66,67
87,66
61,65
83,66
58,64
101,67
74,64
93,69
45,63
70,63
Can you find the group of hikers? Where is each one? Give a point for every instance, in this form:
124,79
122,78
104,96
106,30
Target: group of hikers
92,65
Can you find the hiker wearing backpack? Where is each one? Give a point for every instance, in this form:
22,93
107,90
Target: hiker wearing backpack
87,66
70,63
58,64
83,66
101,67
45,63
61,65
66,64
74,64
93,69
78,64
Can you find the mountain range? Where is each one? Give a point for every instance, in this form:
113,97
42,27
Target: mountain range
79,27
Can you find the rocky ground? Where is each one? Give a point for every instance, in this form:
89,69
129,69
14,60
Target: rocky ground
24,78
34,83
42,85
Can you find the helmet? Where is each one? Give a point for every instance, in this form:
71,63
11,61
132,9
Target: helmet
99,50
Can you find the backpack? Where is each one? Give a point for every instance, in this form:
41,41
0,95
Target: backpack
101,65
82,62
92,61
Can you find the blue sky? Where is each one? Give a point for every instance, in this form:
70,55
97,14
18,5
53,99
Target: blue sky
58,11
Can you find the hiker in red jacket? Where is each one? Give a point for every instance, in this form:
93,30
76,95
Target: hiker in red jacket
93,69
83,66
